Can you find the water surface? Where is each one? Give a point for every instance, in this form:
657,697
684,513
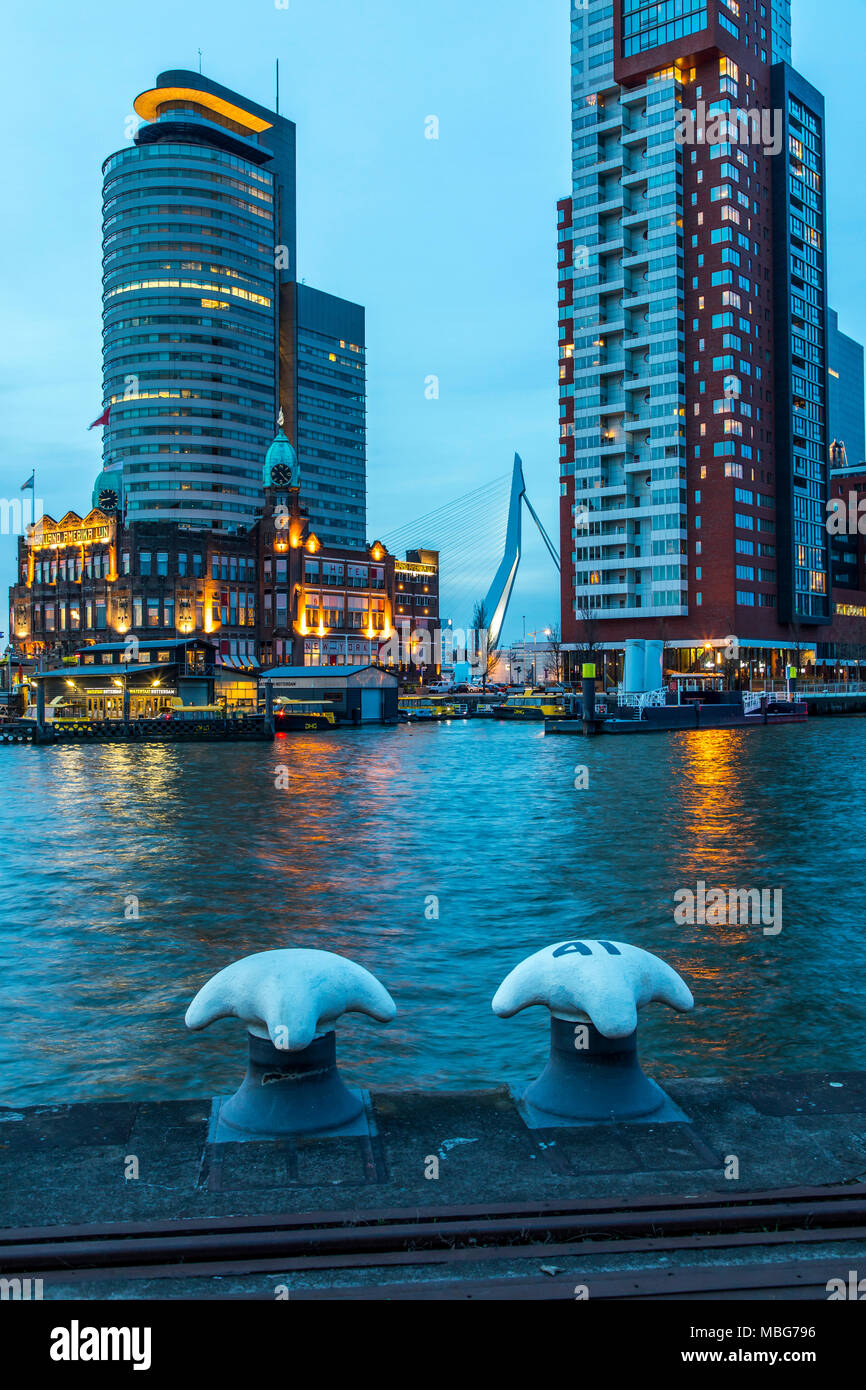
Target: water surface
485,818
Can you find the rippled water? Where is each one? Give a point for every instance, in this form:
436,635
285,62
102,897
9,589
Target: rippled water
487,818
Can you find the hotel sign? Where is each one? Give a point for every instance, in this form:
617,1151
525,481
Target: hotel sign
80,534
95,529
415,571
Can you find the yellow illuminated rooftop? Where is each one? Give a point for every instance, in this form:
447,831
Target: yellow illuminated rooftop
148,103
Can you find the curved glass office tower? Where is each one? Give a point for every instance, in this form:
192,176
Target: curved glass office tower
198,238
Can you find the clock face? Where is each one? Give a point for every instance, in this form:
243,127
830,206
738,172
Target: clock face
108,500
281,476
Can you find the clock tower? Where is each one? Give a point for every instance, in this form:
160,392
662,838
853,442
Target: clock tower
281,468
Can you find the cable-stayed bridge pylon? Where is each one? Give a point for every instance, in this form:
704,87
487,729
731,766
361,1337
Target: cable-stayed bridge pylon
477,534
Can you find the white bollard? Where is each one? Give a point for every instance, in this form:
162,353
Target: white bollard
289,1001
593,990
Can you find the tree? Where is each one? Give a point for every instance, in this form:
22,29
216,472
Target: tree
588,627
488,651
555,643
588,632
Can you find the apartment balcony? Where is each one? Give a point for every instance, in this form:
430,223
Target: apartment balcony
613,204
635,209
637,299
642,340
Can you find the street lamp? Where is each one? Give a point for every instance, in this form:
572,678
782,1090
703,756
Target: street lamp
124,700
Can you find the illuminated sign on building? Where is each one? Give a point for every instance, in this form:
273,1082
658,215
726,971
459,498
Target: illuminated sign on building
415,571
94,529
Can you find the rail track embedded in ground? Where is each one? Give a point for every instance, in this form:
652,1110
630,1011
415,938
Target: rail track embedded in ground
435,1243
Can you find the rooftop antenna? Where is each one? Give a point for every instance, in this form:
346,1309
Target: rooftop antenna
199,60
277,106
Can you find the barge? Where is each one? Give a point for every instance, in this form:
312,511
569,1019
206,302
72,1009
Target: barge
659,712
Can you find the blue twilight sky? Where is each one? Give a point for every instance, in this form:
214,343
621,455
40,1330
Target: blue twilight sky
450,244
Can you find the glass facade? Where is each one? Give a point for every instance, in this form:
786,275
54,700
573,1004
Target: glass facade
651,23
195,212
801,346
847,410
331,406
780,20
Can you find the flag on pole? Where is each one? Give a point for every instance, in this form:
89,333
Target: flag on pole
103,419
31,482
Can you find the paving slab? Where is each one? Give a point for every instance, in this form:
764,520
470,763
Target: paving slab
71,1164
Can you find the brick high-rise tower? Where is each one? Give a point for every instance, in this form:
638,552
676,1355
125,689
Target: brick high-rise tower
693,332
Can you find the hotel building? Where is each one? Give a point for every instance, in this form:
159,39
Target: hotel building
276,594
693,325
327,605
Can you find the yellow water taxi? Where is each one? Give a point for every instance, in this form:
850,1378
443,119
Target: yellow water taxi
412,709
306,715
531,707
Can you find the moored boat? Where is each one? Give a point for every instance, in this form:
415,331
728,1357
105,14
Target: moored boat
306,715
524,707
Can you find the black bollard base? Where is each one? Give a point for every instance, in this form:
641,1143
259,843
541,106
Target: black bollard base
290,1093
591,1079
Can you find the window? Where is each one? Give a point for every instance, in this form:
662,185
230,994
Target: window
182,563
153,612
162,562
144,563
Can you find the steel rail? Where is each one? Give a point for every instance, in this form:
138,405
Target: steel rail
579,1231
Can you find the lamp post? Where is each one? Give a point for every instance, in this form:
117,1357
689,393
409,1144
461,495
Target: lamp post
534,636
124,696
